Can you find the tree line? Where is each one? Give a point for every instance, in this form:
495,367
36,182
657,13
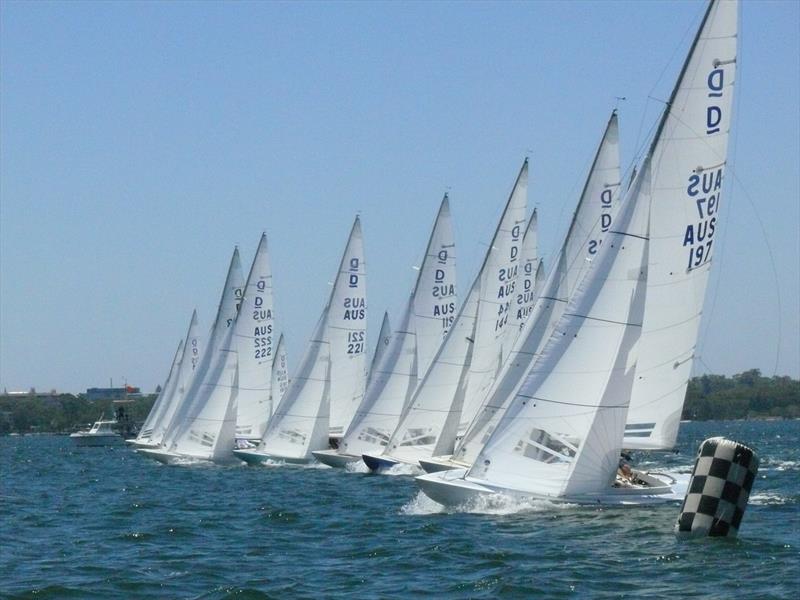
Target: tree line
63,413
747,395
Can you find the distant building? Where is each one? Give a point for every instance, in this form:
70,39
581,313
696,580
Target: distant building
121,393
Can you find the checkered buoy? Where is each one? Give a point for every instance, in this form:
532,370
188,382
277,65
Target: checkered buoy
720,486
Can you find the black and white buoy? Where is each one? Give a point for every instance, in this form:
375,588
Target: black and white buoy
720,486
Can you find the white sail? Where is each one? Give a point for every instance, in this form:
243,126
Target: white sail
472,351
382,345
210,433
299,424
254,342
590,221
562,432
207,370
395,376
190,357
494,329
162,400
390,387
280,375
435,299
325,378
688,163
347,333
528,279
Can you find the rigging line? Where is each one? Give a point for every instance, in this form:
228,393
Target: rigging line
691,27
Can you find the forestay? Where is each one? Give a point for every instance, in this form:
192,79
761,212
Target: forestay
689,162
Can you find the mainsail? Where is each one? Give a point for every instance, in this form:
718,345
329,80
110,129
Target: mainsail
189,360
162,400
434,297
197,425
472,352
590,221
347,334
688,165
253,334
529,278
331,374
426,315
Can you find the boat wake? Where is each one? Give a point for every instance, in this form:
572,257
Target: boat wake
495,504
403,469
358,466
769,499
781,465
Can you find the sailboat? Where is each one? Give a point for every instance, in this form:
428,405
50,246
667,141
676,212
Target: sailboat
561,437
173,392
190,358
471,354
157,410
394,377
203,427
331,376
590,220
254,334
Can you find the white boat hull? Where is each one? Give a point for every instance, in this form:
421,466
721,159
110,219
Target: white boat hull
334,459
452,488
436,464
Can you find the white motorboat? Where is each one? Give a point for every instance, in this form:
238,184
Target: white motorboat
100,434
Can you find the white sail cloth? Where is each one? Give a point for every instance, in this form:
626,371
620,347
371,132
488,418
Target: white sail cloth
427,316
331,376
688,164
253,340
472,352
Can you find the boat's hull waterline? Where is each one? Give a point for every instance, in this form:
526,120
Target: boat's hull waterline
376,464
334,459
452,488
436,464
256,458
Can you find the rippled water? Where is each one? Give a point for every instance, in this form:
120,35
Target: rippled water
107,523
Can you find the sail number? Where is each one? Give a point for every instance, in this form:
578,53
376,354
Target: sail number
355,342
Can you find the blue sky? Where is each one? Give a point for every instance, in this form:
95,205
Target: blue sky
139,142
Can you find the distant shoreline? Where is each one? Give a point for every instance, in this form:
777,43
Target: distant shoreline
747,396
